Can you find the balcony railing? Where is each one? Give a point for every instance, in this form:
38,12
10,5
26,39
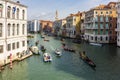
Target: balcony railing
117,29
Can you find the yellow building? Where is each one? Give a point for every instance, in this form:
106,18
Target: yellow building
73,25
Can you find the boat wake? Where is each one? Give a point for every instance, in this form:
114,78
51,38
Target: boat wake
52,48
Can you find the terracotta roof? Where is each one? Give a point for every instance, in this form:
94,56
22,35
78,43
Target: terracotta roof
46,21
112,3
71,15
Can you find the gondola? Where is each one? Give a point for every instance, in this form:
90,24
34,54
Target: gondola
69,49
46,40
88,61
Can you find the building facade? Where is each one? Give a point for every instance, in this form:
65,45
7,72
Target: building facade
82,25
100,24
60,27
118,23
73,25
46,26
33,26
63,27
13,30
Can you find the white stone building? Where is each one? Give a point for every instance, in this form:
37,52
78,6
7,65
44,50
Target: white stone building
13,30
118,23
34,26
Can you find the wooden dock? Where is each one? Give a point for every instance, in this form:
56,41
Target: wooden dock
24,57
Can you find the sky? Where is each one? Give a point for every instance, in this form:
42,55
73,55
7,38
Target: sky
45,9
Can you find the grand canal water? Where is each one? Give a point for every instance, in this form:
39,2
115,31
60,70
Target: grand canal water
69,66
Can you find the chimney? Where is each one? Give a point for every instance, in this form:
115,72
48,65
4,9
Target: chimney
18,1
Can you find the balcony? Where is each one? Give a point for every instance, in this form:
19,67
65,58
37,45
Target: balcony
117,29
90,27
95,27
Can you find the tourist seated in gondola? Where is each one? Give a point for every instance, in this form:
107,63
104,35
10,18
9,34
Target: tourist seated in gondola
83,55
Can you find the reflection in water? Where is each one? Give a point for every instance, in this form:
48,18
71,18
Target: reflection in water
69,66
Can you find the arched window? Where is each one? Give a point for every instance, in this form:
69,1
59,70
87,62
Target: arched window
106,38
23,14
23,29
17,29
18,13
13,29
101,38
13,12
1,10
95,38
1,27
9,25
8,11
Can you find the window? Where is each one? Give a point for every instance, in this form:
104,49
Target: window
110,38
91,38
106,18
95,38
110,25
101,32
9,47
96,12
23,29
8,11
23,43
13,12
1,29
107,26
13,30
9,29
1,10
74,19
17,13
13,46
101,18
101,26
107,12
1,48
106,38
101,38
110,18
110,12
17,44
23,14
106,31
17,29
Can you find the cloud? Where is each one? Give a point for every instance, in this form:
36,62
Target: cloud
42,16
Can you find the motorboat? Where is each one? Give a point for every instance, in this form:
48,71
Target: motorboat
46,39
58,52
47,57
34,50
42,36
96,44
87,60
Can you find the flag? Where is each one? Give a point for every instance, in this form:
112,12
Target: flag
14,9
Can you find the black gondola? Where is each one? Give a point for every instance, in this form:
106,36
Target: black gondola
69,49
88,61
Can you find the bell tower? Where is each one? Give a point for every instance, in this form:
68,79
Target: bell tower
56,15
